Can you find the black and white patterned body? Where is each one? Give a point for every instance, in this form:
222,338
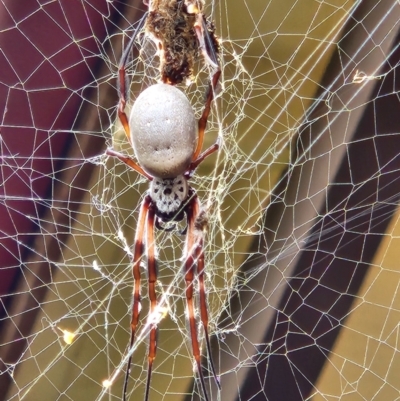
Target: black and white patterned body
169,196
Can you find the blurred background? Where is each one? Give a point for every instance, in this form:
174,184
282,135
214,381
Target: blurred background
302,203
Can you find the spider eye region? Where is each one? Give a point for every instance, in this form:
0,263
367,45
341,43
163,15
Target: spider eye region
163,130
168,195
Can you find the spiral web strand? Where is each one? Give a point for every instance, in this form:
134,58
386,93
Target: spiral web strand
302,269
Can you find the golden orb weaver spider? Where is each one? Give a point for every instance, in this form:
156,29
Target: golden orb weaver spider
167,145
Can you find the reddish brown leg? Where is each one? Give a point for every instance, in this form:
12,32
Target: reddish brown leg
152,278
122,102
212,60
190,263
123,83
123,91
130,162
203,119
202,35
192,251
202,296
213,148
137,256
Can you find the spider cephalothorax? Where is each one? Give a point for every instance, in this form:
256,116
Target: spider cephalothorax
168,195
167,142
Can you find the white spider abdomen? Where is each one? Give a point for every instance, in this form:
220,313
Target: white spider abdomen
163,130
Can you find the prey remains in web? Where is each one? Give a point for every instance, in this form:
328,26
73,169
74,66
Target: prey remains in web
167,142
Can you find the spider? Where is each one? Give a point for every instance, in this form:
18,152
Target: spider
168,147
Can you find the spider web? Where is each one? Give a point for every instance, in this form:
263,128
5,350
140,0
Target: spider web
302,203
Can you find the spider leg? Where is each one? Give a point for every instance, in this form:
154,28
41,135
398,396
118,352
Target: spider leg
123,91
203,36
130,162
202,295
213,148
192,251
203,119
123,81
152,278
137,256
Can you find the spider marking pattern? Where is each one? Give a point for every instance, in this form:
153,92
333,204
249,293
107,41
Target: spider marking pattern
167,142
168,194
